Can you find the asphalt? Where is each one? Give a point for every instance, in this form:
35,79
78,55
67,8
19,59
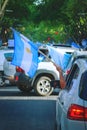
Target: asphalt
20,111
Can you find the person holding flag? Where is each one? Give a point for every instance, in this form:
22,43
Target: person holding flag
62,80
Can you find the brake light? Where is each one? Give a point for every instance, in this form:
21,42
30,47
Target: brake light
18,69
77,112
16,78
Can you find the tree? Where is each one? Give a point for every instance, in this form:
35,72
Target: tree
3,4
43,18
76,12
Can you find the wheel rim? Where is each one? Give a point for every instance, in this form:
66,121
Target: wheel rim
44,86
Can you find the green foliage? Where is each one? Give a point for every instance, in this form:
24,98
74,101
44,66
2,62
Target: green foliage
49,20
43,31
76,12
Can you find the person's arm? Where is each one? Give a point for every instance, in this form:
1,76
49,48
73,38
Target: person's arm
62,80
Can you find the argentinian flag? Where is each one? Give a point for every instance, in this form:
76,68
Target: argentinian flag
25,54
56,55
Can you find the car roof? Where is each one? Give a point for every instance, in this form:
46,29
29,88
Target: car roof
75,56
79,54
82,61
61,45
67,49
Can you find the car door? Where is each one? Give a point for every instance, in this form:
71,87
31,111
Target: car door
66,95
83,93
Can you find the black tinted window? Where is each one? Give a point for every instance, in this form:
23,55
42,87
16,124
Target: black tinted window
83,86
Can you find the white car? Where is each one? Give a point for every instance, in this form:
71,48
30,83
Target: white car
43,68
45,73
71,105
4,50
40,82
6,69
9,69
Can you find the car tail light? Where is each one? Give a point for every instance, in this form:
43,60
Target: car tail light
77,112
16,78
18,69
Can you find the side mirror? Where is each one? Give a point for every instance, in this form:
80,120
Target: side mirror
55,83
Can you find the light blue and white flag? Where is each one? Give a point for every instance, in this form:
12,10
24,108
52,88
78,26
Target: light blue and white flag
59,56
56,55
25,54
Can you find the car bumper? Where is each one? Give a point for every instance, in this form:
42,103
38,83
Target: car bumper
5,79
10,78
22,79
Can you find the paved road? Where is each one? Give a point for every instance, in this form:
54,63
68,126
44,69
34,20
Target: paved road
19,111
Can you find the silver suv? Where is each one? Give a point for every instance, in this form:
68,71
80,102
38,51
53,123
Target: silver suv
45,73
71,105
74,56
40,82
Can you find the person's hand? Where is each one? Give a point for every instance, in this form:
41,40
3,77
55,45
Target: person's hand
62,80
58,68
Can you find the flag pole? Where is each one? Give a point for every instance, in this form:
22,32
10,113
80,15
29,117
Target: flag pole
46,57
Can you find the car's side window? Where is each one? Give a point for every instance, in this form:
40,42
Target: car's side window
72,77
83,86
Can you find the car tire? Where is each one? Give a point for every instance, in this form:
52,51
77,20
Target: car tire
42,86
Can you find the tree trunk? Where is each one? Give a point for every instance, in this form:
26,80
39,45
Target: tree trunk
3,4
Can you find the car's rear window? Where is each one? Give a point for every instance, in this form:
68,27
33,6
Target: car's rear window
72,76
83,86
